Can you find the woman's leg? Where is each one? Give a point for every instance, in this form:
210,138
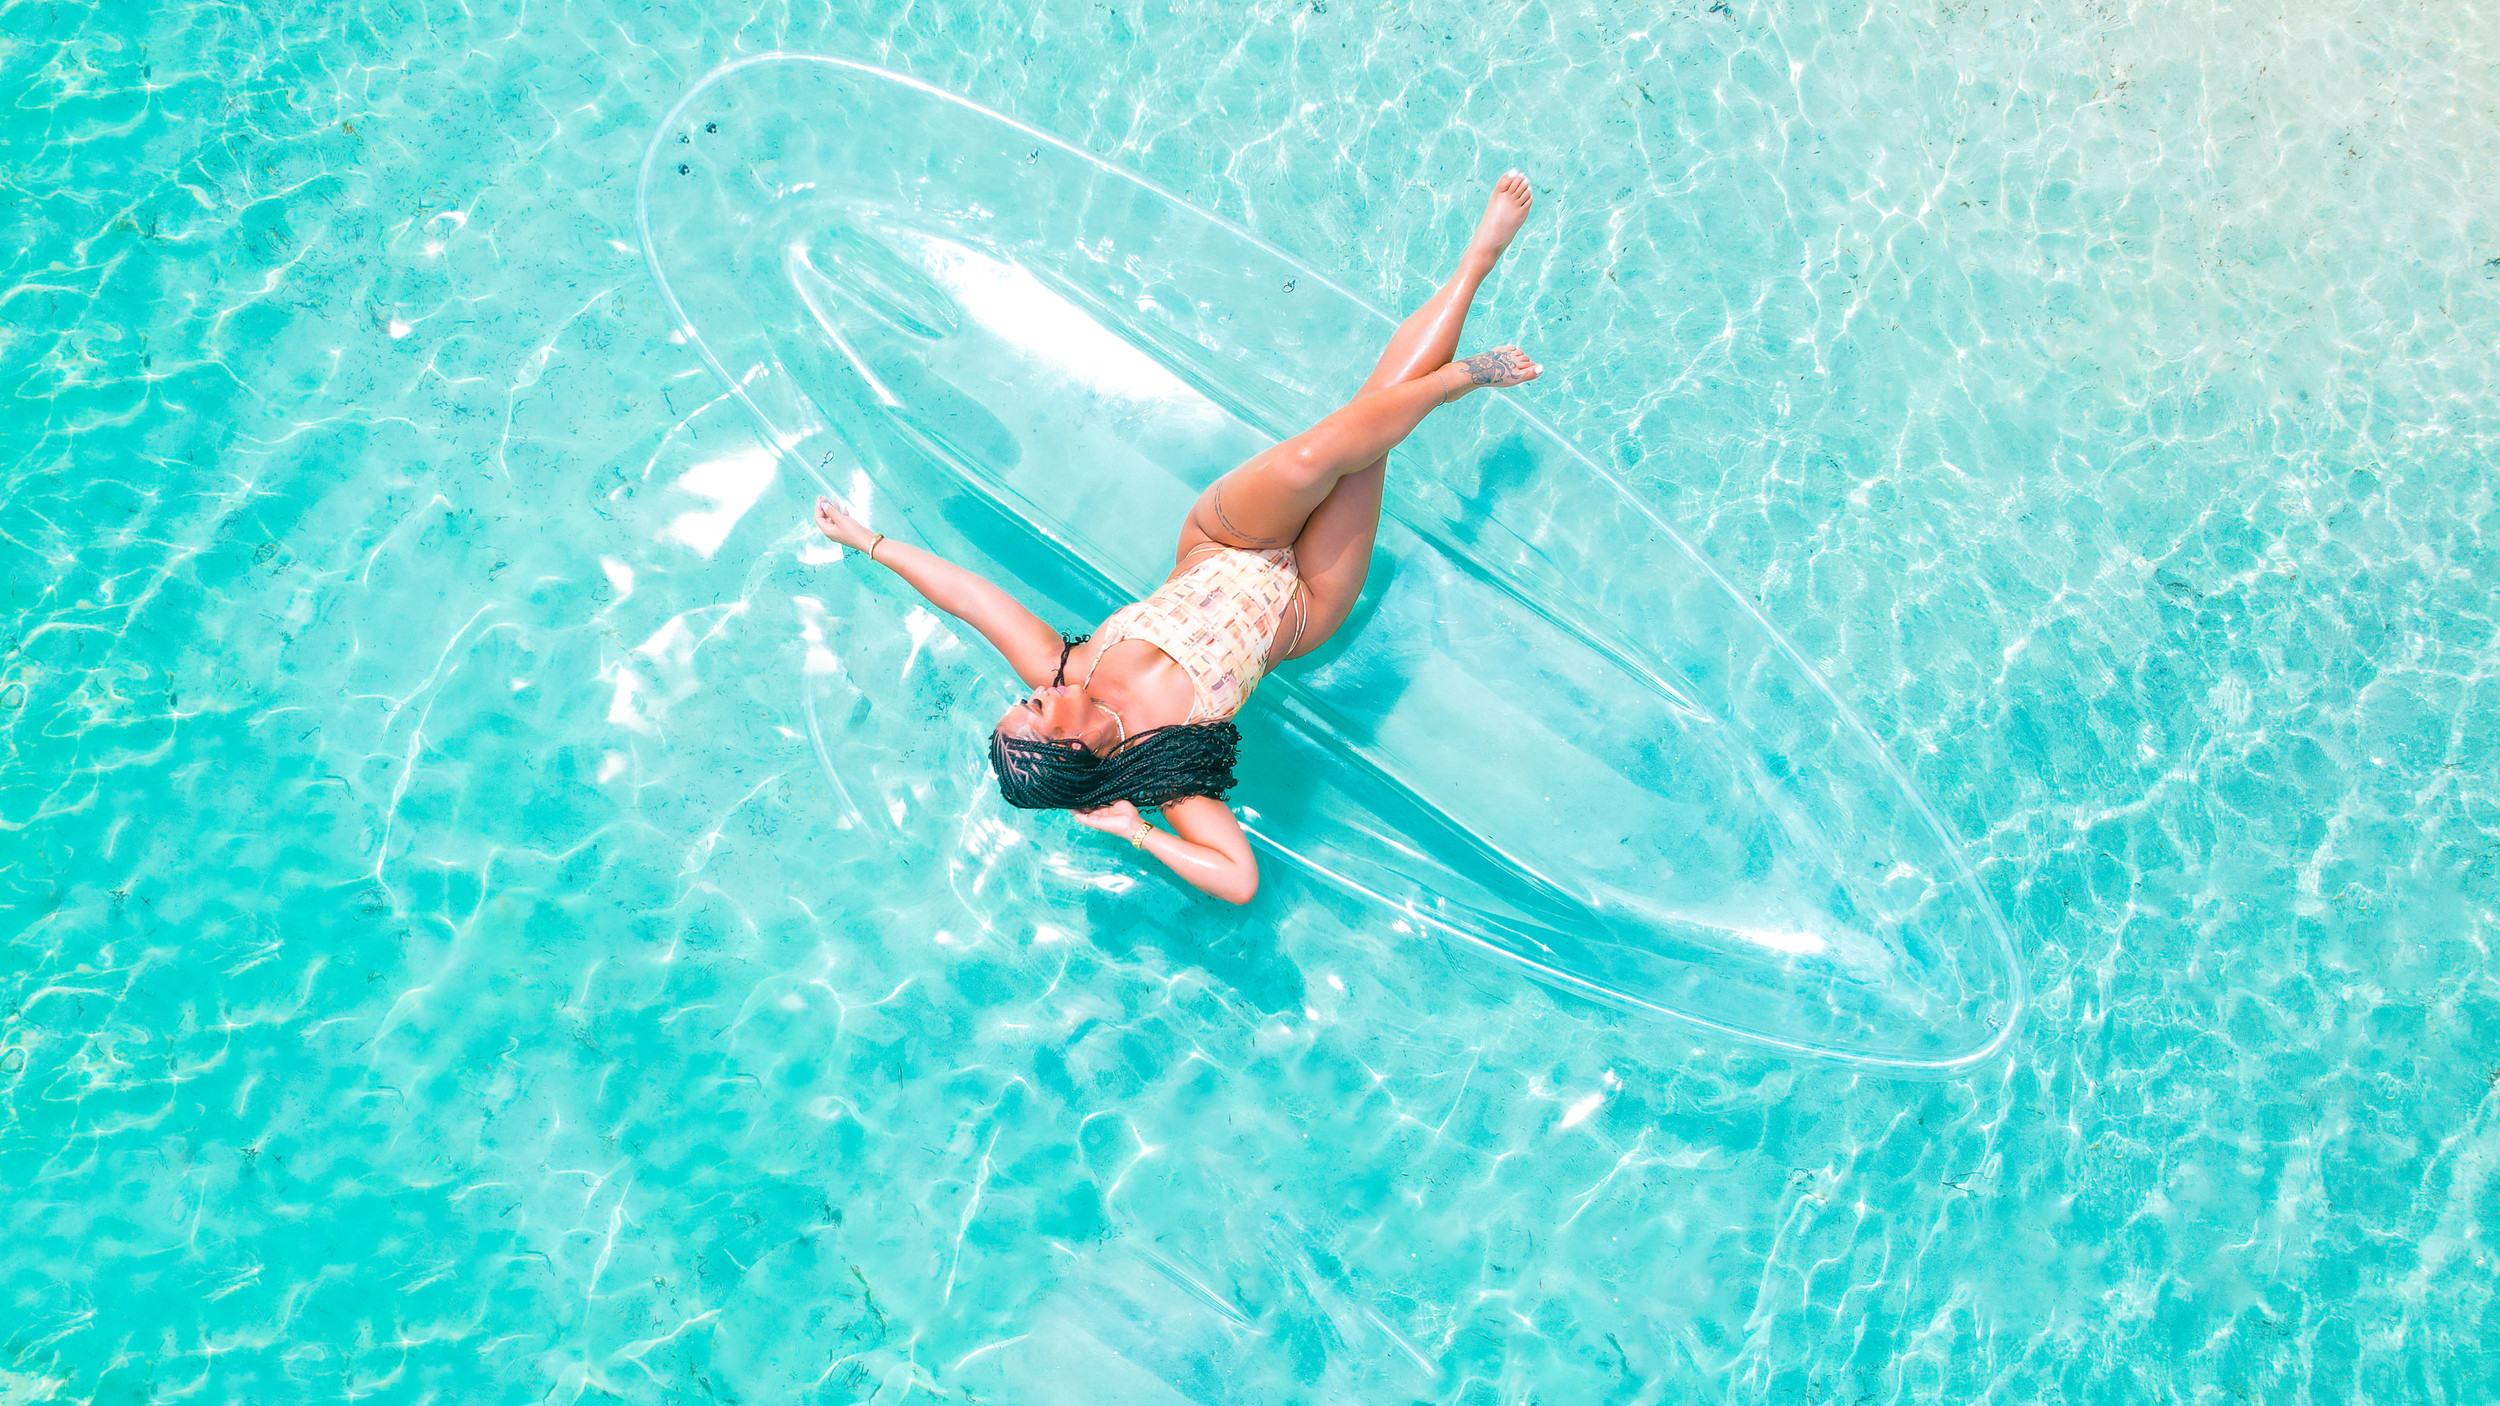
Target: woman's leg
1328,477
1428,339
1334,551
1268,501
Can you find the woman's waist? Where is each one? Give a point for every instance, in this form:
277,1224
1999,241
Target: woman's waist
1213,612
1216,558
1220,637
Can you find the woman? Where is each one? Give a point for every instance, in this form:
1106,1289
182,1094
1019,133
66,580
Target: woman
1269,564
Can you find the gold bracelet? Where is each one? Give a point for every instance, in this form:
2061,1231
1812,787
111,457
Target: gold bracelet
1145,827
872,547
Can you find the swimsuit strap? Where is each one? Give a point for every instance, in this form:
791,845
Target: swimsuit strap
1301,598
1067,644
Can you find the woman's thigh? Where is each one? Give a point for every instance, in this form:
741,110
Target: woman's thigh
1330,527
1334,553
1264,503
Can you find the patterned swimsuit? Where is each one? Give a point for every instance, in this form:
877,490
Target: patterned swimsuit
1218,619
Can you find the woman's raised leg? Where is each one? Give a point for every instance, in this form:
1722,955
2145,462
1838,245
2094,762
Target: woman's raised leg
1428,339
1268,501
1279,496
1334,550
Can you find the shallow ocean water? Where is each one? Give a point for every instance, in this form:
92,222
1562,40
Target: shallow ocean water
437,967
997,345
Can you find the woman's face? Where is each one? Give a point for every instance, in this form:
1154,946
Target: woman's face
1060,712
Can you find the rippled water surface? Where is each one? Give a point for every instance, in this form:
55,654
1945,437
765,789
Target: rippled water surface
438,968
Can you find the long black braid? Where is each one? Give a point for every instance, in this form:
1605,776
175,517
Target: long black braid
1150,769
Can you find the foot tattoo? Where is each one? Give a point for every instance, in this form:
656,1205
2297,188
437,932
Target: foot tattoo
1502,366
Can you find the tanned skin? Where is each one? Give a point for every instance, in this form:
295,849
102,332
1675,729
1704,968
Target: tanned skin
1318,492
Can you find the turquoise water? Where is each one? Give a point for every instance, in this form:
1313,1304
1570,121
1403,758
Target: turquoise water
439,968
1014,352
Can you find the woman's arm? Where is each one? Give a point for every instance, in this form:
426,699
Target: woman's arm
1031,647
1205,845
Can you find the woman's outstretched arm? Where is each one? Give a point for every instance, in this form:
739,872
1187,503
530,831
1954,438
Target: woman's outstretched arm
1205,845
1031,647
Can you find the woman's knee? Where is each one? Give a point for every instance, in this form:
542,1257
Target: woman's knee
1305,465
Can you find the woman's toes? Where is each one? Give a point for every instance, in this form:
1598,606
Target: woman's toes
1504,211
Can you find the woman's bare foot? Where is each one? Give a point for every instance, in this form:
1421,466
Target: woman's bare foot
1504,212
1499,368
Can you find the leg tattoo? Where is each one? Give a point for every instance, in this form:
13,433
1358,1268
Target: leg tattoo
1226,519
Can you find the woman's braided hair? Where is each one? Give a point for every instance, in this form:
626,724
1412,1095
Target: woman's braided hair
1150,769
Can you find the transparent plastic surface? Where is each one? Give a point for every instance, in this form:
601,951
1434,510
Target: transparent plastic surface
1551,730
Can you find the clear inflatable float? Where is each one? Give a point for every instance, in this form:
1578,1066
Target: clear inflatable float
1552,730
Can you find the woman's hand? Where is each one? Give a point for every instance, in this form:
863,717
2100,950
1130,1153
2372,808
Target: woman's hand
1205,846
832,521
1118,818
